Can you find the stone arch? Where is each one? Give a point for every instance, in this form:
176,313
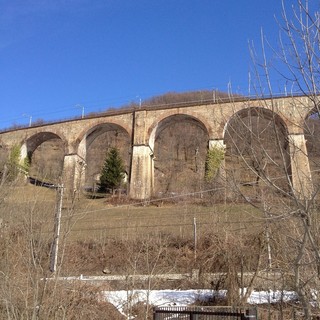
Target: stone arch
96,142
257,150
257,111
179,143
45,151
90,127
161,122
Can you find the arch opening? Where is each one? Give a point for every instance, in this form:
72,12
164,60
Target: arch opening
180,149
257,155
99,140
45,152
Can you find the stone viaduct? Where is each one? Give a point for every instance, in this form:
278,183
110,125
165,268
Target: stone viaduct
144,124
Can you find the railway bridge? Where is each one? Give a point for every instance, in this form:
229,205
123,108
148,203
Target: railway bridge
143,125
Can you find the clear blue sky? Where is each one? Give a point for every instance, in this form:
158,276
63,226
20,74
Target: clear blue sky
56,54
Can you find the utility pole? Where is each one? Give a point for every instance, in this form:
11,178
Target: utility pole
82,108
195,237
57,223
30,119
140,101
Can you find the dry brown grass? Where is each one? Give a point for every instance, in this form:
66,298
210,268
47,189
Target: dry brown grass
98,233
128,221
93,218
128,238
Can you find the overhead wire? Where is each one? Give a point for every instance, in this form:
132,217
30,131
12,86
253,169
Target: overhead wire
95,106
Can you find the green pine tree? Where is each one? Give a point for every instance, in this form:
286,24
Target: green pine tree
113,171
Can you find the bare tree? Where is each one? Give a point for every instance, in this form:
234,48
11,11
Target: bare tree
27,289
265,154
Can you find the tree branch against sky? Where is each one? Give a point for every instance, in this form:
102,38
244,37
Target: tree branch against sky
296,60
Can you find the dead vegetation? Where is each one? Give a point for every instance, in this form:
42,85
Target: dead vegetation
260,224
229,243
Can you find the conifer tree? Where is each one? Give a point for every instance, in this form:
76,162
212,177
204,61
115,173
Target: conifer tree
113,171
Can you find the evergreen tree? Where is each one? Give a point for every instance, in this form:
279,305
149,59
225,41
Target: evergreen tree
113,171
